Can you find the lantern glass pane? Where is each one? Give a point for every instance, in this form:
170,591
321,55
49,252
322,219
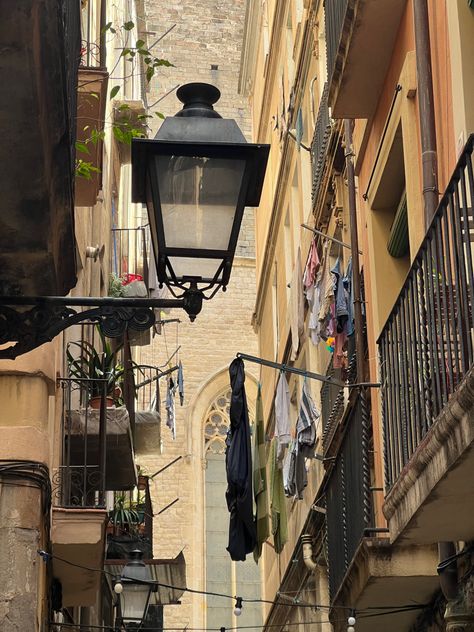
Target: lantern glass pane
198,198
194,267
134,601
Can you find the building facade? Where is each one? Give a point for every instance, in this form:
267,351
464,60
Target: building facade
364,104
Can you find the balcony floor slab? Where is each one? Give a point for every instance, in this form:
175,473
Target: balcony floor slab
388,576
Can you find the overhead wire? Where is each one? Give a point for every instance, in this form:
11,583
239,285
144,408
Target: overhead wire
394,608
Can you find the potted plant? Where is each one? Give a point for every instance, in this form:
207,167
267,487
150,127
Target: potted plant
124,517
94,366
126,529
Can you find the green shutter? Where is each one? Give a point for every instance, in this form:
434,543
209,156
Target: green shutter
398,242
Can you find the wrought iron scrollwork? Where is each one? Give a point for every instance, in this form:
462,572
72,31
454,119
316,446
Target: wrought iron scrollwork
31,328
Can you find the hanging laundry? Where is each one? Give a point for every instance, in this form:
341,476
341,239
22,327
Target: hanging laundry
282,415
327,285
296,307
289,470
238,461
339,357
312,266
306,427
340,296
313,296
180,383
260,478
170,408
277,501
349,288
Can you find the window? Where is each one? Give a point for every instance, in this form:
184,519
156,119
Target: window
223,575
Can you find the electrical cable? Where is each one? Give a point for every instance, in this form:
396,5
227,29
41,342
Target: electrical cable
393,608
182,629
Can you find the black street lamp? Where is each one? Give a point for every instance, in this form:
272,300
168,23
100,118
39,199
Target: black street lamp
134,590
196,177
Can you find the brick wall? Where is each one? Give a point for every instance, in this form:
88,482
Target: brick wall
206,33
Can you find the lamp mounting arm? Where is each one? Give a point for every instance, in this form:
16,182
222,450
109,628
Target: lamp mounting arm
48,316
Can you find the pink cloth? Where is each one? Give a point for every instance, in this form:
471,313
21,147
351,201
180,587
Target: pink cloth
312,266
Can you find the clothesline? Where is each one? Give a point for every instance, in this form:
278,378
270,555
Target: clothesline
325,236
314,376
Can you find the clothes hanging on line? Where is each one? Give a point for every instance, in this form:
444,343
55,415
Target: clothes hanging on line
296,307
181,383
170,407
277,500
282,416
304,446
260,478
238,460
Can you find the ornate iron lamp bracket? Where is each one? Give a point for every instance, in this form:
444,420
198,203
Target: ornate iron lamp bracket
48,316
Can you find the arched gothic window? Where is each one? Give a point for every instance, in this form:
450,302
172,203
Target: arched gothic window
223,575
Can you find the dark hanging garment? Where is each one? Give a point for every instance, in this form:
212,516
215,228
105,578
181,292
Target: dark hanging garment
238,462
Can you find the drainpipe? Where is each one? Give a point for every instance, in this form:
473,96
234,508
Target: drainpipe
426,105
307,542
448,577
351,189
358,323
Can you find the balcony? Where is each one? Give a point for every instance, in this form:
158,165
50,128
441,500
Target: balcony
426,360
367,571
360,36
130,523
40,44
319,144
91,103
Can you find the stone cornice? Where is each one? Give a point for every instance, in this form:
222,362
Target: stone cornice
251,40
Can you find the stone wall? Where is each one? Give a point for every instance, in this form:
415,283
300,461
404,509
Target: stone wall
207,35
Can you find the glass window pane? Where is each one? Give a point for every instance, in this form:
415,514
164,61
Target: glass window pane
198,199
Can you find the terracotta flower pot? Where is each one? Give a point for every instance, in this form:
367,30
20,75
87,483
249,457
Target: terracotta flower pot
94,402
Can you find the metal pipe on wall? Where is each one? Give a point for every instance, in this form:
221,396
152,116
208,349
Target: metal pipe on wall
426,107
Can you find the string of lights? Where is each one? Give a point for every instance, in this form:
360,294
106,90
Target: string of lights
364,612
85,626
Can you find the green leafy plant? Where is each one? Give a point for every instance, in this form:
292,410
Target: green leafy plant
124,516
93,365
124,130
115,286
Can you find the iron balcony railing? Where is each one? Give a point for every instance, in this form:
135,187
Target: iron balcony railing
426,346
319,144
348,500
132,527
130,252
80,480
333,396
334,17
93,35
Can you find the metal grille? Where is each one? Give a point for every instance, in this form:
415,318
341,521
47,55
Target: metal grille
130,248
346,497
426,346
80,479
319,143
334,13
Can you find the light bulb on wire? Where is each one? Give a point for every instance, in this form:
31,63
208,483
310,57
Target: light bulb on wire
238,606
118,588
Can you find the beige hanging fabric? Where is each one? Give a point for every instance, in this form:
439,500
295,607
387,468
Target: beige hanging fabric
296,307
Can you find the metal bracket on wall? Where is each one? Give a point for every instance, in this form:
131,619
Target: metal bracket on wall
48,316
